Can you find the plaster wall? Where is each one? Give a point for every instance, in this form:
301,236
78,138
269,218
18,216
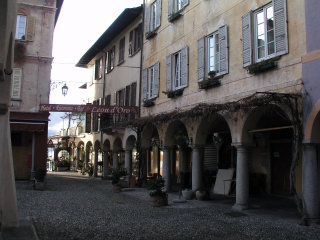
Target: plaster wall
201,18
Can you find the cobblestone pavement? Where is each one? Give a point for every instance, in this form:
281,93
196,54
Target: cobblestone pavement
78,207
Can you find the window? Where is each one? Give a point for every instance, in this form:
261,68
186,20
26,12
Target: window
177,70
175,6
16,83
98,69
25,28
269,27
153,17
150,82
21,27
110,59
121,50
213,54
135,40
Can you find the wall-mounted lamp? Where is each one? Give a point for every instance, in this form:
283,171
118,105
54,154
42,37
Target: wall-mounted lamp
64,90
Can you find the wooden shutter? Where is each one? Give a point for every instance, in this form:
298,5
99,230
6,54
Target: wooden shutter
131,43
280,26
127,96
246,39
155,90
201,56
147,19
184,3
16,83
170,7
184,67
31,25
145,84
158,13
169,73
133,94
88,121
223,45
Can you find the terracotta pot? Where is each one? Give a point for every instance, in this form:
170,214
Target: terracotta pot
187,194
116,188
201,195
158,201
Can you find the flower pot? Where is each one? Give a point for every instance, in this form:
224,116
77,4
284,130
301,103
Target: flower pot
187,194
159,200
201,195
117,188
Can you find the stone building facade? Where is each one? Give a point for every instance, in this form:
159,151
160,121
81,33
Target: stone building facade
221,90
31,83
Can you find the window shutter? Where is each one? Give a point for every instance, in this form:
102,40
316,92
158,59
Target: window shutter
133,94
184,66
88,121
158,16
185,3
246,39
280,26
155,90
127,96
108,100
145,84
201,59
169,73
170,7
16,83
223,44
147,20
31,24
131,43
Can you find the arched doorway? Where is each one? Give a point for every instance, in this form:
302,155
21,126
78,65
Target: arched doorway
80,157
177,140
118,154
89,150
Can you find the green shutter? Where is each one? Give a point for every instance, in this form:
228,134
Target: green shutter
147,19
246,39
170,7
169,73
280,26
155,90
184,66
30,31
158,13
145,84
201,60
223,53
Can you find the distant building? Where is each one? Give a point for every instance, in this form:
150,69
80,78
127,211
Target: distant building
36,20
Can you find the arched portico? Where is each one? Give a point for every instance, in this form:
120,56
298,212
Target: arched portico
89,149
106,157
267,138
177,156
117,154
80,156
130,153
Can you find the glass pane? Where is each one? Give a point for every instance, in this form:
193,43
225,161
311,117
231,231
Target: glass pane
270,48
270,36
260,17
270,24
261,29
261,52
269,12
260,40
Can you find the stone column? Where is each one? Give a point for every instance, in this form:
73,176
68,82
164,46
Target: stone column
242,181
166,168
310,182
115,160
196,167
78,158
128,161
95,163
105,164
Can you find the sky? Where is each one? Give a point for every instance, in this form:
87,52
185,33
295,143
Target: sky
80,24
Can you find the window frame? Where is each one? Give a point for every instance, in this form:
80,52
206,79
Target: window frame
265,33
122,44
18,26
110,59
98,69
216,62
150,82
135,40
176,71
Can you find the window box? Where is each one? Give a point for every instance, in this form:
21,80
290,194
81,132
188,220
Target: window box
174,16
151,34
263,66
211,82
148,103
173,94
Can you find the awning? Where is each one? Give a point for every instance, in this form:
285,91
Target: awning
27,126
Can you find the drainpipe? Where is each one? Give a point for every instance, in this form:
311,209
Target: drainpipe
33,156
141,57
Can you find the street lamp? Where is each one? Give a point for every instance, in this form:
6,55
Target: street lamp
64,90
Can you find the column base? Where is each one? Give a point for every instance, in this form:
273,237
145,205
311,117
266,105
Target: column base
239,207
309,221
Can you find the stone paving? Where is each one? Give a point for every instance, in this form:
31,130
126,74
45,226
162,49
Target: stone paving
78,207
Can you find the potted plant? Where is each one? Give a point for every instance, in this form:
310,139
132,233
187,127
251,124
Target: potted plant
116,175
158,197
63,165
187,194
39,178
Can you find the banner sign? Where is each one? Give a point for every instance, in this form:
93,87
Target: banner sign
88,108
